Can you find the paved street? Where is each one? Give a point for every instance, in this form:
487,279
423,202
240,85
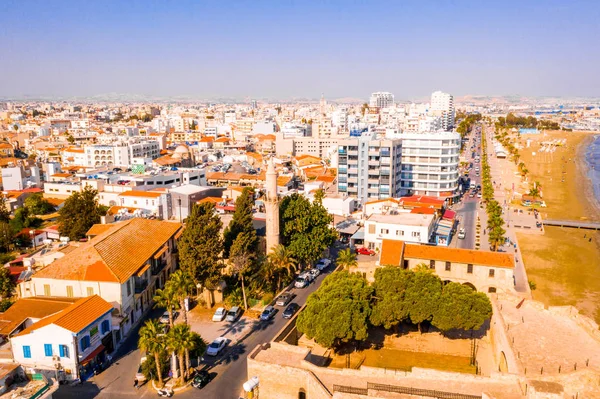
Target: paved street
228,369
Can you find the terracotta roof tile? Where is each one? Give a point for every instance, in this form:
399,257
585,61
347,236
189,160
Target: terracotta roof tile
98,229
137,193
34,307
484,258
391,252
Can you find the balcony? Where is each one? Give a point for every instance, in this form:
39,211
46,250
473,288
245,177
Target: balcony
140,286
158,266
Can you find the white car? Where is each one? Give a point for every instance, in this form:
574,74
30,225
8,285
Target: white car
462,234
220,314
314,273
300,282
216,346
323,263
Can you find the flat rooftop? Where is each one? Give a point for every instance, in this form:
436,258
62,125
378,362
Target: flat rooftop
406,219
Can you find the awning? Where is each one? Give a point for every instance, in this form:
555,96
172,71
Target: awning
92,355
141,272
359,235
159,253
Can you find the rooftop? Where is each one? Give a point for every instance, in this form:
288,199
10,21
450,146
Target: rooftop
457,255
34,307
406,219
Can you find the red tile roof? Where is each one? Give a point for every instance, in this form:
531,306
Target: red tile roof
391,252
457,255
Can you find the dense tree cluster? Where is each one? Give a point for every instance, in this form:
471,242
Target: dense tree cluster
80,212
344,307
466,124
529,122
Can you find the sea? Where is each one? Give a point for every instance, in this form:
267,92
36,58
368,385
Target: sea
592,159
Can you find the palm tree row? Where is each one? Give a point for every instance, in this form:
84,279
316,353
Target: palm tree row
495,222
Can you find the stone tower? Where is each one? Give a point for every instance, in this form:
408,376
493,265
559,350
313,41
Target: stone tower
272,207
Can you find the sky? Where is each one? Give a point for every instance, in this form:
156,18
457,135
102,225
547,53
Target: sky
285,49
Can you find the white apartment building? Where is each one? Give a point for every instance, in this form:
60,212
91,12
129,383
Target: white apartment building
381,99
20,177
402,226
289,130
120,153
369,167
430,164
324,147
442,104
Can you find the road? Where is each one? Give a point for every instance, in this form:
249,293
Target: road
228,369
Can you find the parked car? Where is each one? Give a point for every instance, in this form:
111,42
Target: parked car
365,251
216,346
139,375
323,263
300,282
201,379
220,314
283,299
462,233
291,309
164,318
233,314
268,313
314,272
307,276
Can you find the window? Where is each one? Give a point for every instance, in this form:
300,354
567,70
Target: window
492,273
416,234
27,351
128,288
448,266
48,350
69,291
90,291
399,232
385,231
47,289
371,229
470,268
63,350
84,343
492,290
105,326
432,264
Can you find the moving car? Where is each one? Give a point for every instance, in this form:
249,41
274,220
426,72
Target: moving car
201,379
365,251
283,299
268,313
216,346
233,314
462,233
291,309
323,263
220,314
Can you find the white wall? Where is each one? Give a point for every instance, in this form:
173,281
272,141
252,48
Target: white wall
395,231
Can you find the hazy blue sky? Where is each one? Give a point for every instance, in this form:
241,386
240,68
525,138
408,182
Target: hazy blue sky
288,49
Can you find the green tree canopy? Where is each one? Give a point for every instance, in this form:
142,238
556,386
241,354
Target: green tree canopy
4,212
423,295
243,257
338,311
38,205
7,236
391,305
461,308
80,212
201,245
346,258
306,227
7,285
152,341
241,221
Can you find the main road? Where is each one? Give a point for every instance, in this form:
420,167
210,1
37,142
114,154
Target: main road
228,369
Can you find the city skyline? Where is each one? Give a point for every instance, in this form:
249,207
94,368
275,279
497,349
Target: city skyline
298,50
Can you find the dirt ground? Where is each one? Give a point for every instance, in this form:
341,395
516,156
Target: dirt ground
564,263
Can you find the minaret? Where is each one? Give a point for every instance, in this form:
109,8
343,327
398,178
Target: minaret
272,207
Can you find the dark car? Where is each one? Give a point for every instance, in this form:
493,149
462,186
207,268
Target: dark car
201,379
291,309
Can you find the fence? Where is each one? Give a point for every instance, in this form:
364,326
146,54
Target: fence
347,389
421,392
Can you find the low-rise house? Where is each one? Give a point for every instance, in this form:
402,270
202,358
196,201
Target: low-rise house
401,226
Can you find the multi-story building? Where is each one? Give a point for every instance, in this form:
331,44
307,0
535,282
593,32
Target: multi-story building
393,225
442,104
121,153
381,99
430,164
369,167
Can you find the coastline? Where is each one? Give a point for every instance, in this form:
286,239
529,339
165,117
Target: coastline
560,261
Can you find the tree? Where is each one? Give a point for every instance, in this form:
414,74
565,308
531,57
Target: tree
70,138
241,221
153,343
461,308
242,256
4,212
347,259
201,245
7,284
391,306
281,261
181,284
38,205
306,228
180,341
423,295
497,237
338,311
165,298
23,219
80,212
7,236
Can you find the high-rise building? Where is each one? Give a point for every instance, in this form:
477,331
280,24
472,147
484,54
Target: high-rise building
381,99
430,164
272,207
442,104
369,167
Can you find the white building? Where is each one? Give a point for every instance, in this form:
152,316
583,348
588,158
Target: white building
20,177
381,99
403,226
120,153
442,104
430,164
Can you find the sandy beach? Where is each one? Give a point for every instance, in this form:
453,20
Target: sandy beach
563,262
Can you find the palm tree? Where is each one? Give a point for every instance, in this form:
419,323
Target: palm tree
282,261
346,259
152,342
180,340
166,298
181,283
496,237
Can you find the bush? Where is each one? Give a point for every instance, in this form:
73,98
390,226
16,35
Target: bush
199,347
5,258
5,304
149,366
267,298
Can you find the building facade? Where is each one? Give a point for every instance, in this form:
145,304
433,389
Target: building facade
381,99
442,104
